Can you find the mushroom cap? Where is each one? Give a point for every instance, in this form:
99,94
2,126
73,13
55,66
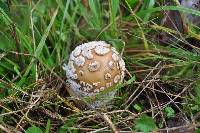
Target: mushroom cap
192,4
94,67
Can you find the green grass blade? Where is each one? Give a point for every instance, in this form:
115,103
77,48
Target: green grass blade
48,126
114,6
174,8
85,14
96,10
44,37
39,48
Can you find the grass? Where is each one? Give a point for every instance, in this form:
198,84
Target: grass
161,90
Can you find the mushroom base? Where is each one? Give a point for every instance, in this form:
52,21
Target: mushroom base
93,101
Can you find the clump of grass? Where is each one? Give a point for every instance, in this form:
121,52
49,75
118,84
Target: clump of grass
162,80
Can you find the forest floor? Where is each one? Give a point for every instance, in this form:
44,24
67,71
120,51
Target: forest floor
159,42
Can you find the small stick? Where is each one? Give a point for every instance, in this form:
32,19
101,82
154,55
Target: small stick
5,129
110,123
17,43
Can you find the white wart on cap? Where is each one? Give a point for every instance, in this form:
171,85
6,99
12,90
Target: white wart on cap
93,67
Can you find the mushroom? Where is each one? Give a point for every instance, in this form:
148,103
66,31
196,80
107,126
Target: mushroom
191,4
92,68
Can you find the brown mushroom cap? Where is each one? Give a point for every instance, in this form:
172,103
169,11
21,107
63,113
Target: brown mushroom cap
94,67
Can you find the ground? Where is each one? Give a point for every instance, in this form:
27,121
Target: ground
159,42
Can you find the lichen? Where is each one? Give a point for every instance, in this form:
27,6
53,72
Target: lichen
122,65
100,50
87,54
74,85
82,83
87,88
81,72
115,57
116,78
102,88
80,61
111,65
88,46
96,83
107,76
102,43
122,76
96,90
77,51
94,66
109,84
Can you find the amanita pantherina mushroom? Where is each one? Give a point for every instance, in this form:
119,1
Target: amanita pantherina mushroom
191,4
92,68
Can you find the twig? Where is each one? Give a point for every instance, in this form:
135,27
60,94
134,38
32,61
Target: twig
188,127
5,129
112,126
33,34
17,43
130,98
25,115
